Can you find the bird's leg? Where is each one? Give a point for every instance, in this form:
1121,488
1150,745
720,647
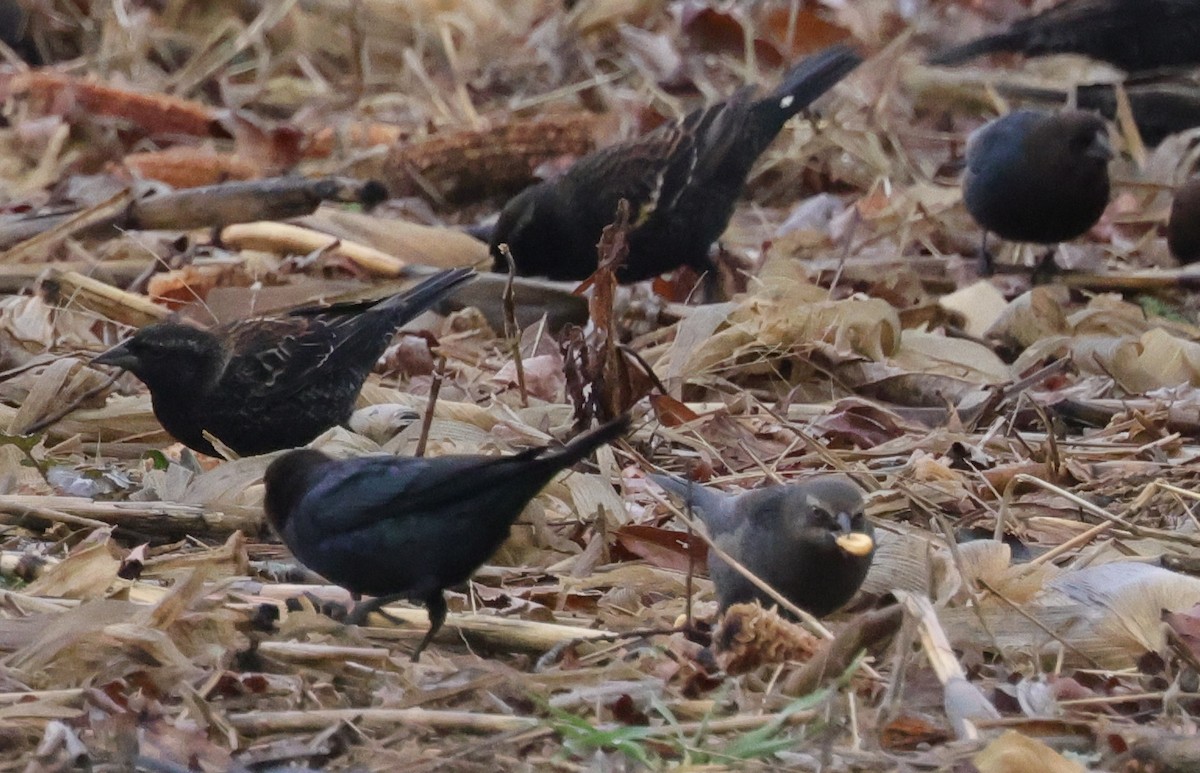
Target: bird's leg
1045,269
363,609
986,268
436,605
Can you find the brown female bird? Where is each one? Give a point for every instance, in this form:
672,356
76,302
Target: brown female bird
265,384
681,181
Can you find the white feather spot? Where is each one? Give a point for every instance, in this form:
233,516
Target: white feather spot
787,101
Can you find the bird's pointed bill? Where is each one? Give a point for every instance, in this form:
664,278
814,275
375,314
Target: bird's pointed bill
119,356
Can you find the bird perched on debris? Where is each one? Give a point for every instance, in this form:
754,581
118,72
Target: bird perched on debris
1037,177
1183,226
1131,34
809,541
409,528
681,181
269,383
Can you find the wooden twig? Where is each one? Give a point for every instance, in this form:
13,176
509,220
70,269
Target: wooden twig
435,386
511,330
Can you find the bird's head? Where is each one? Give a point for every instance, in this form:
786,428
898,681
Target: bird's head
833,508
530,226
287,480
169,356
1087,136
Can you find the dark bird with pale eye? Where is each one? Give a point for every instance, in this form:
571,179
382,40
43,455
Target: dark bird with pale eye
681,181
1131,34
398,528
270,383
1037,177
1183,226
809,541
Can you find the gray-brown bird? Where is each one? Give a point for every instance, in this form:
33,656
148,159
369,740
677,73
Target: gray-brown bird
809,541
1183,227
1037,177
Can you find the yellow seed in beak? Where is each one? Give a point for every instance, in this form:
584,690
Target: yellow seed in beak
856,543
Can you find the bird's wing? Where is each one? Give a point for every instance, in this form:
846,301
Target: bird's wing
358,493
648,171
279,356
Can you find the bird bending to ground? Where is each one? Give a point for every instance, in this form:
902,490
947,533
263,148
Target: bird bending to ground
1037,177
269,383
809,541
397,528
1134,35
681,181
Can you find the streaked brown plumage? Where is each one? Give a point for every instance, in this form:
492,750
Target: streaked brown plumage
265,384
681,181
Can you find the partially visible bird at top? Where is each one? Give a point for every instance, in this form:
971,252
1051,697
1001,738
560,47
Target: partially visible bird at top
398,528
809,541
1133,35
1037,177
1183,225
681,180
269,383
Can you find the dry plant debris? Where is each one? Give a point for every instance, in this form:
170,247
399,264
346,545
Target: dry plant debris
1029,452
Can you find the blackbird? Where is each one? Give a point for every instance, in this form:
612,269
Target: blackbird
1037,177
409,528
1183,227
1131,34
681,181
265,384
809,541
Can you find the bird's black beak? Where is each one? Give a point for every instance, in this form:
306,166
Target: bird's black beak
119,356
853,542
1101,147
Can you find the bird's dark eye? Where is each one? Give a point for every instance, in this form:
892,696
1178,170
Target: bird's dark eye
824,517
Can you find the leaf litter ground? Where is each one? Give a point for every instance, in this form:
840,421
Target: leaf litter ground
1029,450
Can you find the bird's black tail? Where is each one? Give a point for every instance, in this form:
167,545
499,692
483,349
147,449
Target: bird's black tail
401,306
581,446
413,301
805,82
1003,41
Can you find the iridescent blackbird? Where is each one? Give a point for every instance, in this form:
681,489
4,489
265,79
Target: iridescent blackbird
681,180
270,383
1037,177
409,528
809,541
1131,34
1183,227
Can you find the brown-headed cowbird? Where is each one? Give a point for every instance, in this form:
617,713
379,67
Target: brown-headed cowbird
1131,34
409,528
809,541
270,383
681,181
1037,177
1183,227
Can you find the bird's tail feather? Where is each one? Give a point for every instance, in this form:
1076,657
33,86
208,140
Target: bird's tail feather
988,44
420,297
808,80
582,445
710,504
404,306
